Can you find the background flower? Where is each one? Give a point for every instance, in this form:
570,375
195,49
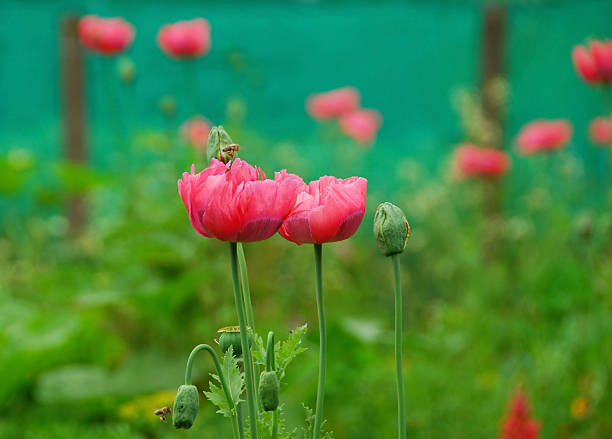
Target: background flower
333,103
185,39
544,135
105,35
471,160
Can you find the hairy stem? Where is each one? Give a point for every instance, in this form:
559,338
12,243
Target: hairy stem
226,390
401,398
316,429
246,350
250,316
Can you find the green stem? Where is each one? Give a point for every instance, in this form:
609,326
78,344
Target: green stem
246,350
316,430
250,317
270,352
401,398
275,424
226,390
240,413
246,290
270,367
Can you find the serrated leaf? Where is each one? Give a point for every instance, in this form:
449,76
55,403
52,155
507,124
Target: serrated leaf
287,350
235,382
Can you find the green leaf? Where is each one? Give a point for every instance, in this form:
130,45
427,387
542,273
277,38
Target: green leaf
287,350
235,382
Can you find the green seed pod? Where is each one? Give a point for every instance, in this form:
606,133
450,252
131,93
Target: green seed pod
185,407
230,336
220,145
391,229
269,390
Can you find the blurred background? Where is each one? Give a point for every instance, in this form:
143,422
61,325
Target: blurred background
105,286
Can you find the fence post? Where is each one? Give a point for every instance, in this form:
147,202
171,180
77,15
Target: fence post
73,82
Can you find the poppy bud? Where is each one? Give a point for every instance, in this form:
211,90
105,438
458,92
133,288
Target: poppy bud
167,105
230,336
269,390
220,145
185,407
126,69
391,229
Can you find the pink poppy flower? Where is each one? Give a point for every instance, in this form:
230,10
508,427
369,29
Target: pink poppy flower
361,125
185,39
600,131
594,63
471,160
544,135
105,35
195,131
327,210
235,202
333,103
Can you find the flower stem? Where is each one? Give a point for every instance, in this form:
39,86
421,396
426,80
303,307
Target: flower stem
401,398
240,413
270,367
246,350
316,430
250,316
226,390
275,424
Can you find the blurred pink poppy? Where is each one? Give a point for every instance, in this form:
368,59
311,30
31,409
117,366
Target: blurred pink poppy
544,135
333,103
195,131
185,39
600,131
594,63
361,125
473,161
105,35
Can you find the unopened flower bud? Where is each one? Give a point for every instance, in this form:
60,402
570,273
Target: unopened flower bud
269,390
185,407
167,105
220,145
391,229
126,69
230,336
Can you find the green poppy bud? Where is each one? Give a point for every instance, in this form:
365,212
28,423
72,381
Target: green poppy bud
269,390
126,69
220,145
230,336
185,407
391,229
167,105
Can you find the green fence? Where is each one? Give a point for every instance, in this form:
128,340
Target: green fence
405,57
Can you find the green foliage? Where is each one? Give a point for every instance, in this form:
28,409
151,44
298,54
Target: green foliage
235,382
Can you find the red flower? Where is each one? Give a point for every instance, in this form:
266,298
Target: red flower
600,131
594,63
327,210
195,131
518,424
333,103
105,35
361,125
471,160
544,135
185,39
235,202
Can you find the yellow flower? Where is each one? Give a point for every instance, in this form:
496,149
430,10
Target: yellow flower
579,407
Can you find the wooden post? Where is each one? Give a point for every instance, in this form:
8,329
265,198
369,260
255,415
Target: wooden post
492,64
73,81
